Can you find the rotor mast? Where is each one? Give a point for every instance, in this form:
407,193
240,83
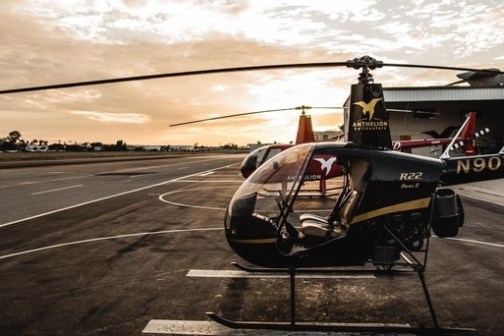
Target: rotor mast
366,121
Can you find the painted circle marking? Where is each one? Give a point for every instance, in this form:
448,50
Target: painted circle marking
161,198
103,238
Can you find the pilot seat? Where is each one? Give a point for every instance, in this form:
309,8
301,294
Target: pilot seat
337,223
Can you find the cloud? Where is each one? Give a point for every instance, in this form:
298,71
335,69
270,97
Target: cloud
128,118
46,42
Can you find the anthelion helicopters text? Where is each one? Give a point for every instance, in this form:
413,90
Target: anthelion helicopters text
370,125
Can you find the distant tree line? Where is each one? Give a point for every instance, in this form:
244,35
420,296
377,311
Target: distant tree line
14,142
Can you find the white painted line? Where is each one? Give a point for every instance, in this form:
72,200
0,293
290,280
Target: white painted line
103,238
405,257
163,166
476,242
206,174
181,327
190,206
140,176
210,181
107,197
182,168
195,273
59,189
48,181
161,198
211,328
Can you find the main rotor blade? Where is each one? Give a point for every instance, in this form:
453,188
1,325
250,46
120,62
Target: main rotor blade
356,64
303,107
440,67
230,116
457,82
413,111
174,74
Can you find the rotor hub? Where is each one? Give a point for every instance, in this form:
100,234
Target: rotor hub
366,63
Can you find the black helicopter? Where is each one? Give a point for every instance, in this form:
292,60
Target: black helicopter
388,204
389,198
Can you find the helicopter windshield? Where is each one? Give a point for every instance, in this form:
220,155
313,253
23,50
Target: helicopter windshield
259,153
273,183
283,196
254,159
259,156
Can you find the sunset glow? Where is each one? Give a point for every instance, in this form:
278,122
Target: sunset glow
47,42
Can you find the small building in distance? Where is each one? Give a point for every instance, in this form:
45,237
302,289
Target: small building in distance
328,135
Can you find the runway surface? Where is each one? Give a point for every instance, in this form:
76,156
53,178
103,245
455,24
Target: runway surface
134,248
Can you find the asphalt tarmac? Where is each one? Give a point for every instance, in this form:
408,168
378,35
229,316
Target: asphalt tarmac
133,248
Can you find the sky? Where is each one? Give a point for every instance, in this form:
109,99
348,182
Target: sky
48,42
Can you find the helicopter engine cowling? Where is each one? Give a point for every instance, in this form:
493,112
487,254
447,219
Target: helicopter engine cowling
448,213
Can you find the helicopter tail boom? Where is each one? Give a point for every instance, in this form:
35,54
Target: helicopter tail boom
473,168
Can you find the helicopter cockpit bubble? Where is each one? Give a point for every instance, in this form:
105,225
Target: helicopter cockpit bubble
249,164
262,210
252,161
259,156
260,202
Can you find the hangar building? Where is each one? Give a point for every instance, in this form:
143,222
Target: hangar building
450,105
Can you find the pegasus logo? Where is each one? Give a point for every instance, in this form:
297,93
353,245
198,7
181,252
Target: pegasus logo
326,165
368,108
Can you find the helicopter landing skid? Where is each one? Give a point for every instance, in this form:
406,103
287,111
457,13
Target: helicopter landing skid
335,327
385,271
294,325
